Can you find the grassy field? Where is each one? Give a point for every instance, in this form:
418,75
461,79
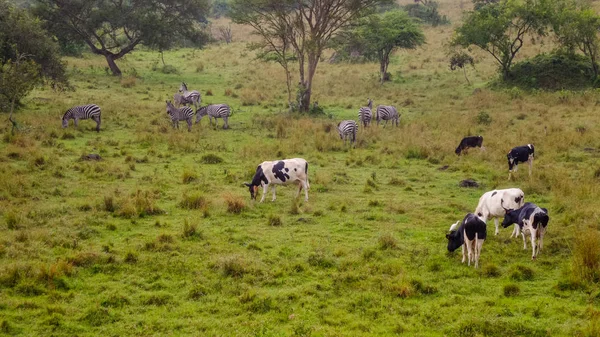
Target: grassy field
160,238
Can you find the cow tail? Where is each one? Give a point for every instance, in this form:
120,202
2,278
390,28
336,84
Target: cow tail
306,172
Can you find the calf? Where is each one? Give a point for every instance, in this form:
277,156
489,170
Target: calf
520,154
280,172
471,233
468,142
532,219
492,204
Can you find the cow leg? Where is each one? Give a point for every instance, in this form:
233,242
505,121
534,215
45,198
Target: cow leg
273,189
463,248
530,162
469,248
533,246
265,189
496,224
479,244
305,186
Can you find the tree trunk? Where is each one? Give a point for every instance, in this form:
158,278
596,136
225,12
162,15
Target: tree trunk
112,65
465,72
383,69
313,61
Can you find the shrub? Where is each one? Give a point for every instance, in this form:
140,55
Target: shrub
511,289
491,270
427,11
387,241
169,69
233,266
211,159
586,256
109,204
274,220
194,201
131,257
235,203
522,273
12,220
228,92
483,118
209,92
190,231
320,259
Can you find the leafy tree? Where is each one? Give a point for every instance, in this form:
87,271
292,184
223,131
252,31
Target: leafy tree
27,56
478,4
115,28
377,36
577,29
461,60
306,25
500,28
427,11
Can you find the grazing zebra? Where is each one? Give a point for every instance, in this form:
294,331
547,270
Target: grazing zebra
180,114
82,112
189,97
365,114
347,129
215,111
387,113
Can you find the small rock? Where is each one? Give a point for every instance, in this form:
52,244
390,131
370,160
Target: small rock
468,183
91,156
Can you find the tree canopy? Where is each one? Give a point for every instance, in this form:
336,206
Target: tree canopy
27,55
377,36
500,28
304,26
115,28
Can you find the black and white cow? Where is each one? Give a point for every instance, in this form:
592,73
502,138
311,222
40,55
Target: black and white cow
520,154
529,218
470,235
280,172
468,142
493,204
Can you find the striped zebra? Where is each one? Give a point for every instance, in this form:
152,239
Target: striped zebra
82,112
347,129
215,111
180,114
365,114
189,97
387,113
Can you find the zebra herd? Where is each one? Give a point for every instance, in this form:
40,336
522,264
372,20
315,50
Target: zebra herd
348,128
176,113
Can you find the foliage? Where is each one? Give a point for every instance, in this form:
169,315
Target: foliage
577,29
113,29
427,12
27,55
554,71
377,36
461,59
305,27
478,4
500,28
220,8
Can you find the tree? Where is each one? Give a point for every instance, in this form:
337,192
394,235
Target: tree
577,29
28,56
115,28
461,60
500,28
304,26
377,36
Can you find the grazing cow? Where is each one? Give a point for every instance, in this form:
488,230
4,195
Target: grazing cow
492,204
280,172
471,233
529,218
468,142
520,154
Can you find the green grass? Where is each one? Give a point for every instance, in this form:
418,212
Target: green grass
161,238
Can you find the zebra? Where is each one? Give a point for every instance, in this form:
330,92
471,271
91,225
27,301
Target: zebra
347,129
177,114
189,97
214,111
82,112
387,113
365,114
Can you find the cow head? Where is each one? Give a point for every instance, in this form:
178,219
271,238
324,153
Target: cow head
454,238
253,191
511,162
511,217
458,150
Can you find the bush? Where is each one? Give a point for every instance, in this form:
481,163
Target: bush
194,201
190,231
483,118
211,159
233,266
189,177
553,71
169,69
274,220
235,203
427,11
388,241
586,256
511,289
522,273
